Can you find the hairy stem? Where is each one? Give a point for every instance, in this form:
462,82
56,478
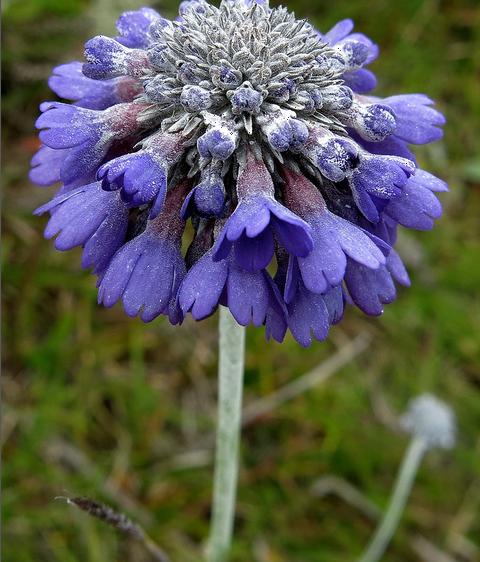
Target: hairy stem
403,486
230,387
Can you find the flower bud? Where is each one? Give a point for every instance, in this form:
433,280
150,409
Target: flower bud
374,122
107,58
431,419
337,97
225,77
246,99
336,157
195,98
218,142
207,199
354,53
158,89
285,133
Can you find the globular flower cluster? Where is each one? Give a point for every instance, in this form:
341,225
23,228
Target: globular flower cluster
259,132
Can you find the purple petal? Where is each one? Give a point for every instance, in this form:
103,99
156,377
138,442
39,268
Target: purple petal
293,233
334,239
429,181
335,303
107,58
416,207
361,81
372,47
66,126
46,166
251,217
339,31
106,240
202,288
382,176
89,217
217,142
397,269
276,319
69,82
249,228
133,27
256,253
248,295
144,273
417,122
140,178
369,289
308,316
366,205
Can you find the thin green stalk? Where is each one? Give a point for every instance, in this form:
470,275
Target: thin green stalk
230,387
403,486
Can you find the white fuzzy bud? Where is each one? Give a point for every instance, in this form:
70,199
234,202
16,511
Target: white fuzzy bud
431,419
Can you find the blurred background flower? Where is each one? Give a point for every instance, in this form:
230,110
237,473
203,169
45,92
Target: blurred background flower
102,405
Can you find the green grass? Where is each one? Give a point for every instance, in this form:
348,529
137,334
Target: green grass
97,404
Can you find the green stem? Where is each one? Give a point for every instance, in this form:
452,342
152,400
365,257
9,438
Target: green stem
403,486
230,386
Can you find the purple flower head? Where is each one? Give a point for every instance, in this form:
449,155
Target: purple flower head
353,53
197,5
282,92
378,178
270,147
225,77
374,122
359,79
334,156
341,32
337,97
83,135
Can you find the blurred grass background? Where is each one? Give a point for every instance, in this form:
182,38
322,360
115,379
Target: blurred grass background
100,405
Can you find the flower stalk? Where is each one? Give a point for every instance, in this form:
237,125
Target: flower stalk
230,387
432,424
403,486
